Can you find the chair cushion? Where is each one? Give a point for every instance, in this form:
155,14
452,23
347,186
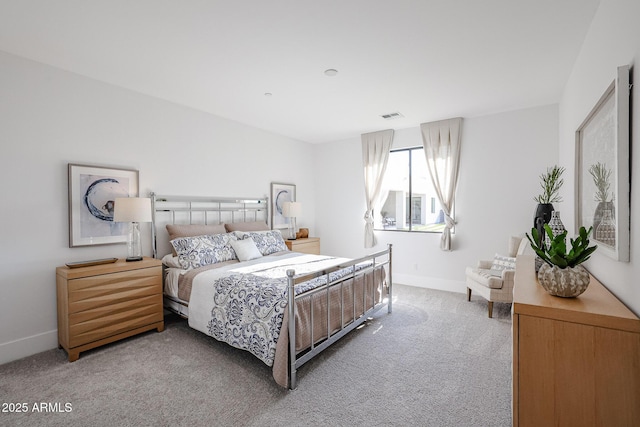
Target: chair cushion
485,277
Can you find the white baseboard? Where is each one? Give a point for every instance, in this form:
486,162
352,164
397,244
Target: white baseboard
14,350
431,283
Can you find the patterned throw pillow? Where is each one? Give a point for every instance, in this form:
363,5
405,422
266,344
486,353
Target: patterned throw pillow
197,251
268,242
501,262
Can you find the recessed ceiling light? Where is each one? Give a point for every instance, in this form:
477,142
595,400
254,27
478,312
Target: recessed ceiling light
330,72
268,94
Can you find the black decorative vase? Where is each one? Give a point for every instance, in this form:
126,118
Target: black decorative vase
540,218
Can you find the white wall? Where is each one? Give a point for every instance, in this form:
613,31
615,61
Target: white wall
49,118
613,40
502,157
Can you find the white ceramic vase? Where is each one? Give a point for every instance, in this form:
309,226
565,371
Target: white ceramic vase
556,225
564,282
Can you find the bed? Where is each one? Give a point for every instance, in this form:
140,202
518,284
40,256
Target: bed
234,279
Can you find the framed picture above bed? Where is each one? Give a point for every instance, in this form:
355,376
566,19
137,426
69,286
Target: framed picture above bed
280,193
92,192
602,170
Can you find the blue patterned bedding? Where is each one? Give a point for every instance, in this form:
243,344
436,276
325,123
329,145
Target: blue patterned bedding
244,305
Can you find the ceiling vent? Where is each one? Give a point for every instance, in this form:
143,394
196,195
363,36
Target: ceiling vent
392,116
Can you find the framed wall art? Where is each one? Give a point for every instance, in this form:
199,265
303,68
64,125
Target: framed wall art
92,192
602,170
280,193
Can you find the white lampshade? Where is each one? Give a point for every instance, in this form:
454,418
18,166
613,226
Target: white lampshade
132,209
291,209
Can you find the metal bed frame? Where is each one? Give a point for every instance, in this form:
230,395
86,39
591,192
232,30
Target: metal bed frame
297,360
214,210
199,210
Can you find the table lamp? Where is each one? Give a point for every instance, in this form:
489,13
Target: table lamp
291,210
133,210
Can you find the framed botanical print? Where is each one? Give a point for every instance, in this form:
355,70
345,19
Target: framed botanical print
92,193
280,193
602,170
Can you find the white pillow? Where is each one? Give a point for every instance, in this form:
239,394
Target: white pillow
245,249
501,262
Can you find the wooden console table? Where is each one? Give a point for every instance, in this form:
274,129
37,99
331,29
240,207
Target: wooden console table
576,361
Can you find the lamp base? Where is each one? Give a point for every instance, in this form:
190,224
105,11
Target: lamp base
134,258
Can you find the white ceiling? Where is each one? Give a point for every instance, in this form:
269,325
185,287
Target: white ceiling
427,59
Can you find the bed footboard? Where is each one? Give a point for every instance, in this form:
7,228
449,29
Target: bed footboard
350,300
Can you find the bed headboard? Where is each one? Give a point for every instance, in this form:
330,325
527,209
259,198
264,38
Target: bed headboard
200,210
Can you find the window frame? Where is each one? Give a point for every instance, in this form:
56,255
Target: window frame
378,226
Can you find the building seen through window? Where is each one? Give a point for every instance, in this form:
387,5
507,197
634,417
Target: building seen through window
409,201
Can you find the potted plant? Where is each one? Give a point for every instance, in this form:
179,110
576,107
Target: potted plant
561,273
551,181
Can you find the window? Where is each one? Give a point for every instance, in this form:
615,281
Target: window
411,203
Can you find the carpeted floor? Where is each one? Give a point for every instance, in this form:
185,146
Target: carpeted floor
438,360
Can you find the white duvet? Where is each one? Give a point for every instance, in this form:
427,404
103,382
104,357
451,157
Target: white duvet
243,304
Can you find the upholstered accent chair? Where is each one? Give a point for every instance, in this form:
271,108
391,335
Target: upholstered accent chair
493,279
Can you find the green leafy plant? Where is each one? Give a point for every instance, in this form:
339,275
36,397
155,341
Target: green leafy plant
556,253
601,178
551,181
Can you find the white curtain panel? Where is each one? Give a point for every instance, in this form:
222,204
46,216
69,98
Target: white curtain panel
441,141
375,156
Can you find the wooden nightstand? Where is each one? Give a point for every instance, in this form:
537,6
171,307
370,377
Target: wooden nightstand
308,245
105,303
